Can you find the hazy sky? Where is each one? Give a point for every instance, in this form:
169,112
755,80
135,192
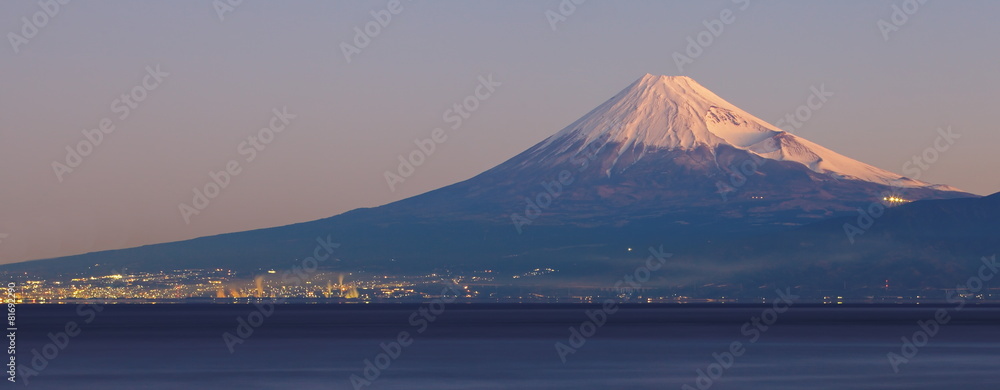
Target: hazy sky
938,68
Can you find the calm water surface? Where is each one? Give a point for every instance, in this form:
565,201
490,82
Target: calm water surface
507,347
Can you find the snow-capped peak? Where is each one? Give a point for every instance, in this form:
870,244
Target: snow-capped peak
675,112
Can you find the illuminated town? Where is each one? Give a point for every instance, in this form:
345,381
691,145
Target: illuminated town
227,286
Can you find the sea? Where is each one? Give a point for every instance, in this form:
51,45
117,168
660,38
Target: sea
505,346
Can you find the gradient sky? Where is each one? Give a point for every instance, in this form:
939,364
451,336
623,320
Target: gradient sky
225,77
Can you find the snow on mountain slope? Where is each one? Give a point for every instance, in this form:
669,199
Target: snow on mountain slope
675,112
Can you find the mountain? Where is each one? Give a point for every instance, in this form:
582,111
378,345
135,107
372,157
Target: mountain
663,162
668,146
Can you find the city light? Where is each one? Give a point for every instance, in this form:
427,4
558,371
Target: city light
894,199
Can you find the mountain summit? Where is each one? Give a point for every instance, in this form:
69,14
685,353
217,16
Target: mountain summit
677,113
